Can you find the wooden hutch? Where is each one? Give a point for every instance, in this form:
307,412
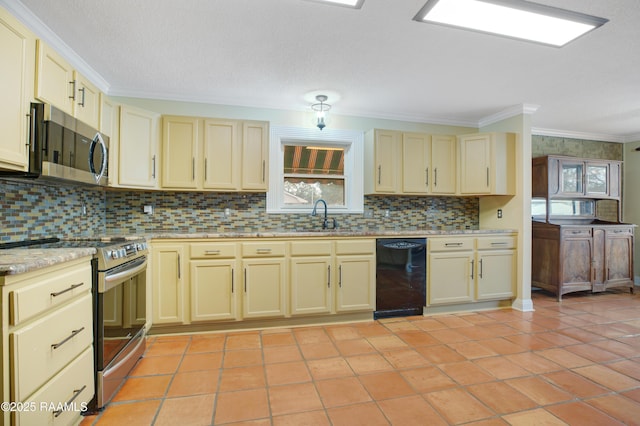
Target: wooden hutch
573,248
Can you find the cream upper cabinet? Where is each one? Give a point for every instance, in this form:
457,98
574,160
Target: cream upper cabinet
17,68
213,154
180,151
382,162
255,156
428,164
138,148
59,84
487,164
87,102
54,79
444,161
416,163
110,126
222,152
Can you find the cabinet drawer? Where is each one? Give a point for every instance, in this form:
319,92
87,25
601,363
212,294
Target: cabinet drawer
73,385
42,348
311,248
213,250
495,243
29,301
450,244
576,232
620,231
263,249
356,247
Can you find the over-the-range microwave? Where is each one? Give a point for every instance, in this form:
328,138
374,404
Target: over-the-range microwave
62,147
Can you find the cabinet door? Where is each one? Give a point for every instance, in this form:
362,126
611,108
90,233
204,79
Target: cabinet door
450,277
475,164
596,179
213,290
443,164
222,162
619,256
168,283
87,102
356,280
137,148
571,177
387,161
496,274
180,148
416,161
576,254
264,286
310,285
255,155
55,82
17,68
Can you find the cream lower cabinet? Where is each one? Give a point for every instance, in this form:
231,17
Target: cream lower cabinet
214,284
169,278
471,269
311,277
264,280
47,340
17,68
355,262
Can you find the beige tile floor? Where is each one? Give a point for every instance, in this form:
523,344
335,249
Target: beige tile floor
576,362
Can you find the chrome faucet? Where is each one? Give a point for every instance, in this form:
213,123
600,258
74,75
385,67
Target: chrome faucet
325,222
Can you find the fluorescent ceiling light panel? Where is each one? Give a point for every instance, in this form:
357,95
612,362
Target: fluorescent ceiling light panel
356,4
511,18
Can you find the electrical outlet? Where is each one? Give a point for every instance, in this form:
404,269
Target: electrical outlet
147,209
227,212
499,213
387,213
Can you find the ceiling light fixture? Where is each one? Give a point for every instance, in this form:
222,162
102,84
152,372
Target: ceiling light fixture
356,4
321,109
511,18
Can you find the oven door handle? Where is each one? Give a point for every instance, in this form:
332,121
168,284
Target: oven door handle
112,280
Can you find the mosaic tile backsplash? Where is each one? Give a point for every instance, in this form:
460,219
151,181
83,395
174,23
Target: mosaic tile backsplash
31,211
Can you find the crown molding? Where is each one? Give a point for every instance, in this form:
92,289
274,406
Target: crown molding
42,31
508,113
579,135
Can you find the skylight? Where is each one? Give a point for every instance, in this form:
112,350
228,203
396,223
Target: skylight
511,18
356,4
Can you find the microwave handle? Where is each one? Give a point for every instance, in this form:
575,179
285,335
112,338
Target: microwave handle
103,166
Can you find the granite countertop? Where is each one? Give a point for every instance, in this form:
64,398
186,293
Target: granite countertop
372,233
21,260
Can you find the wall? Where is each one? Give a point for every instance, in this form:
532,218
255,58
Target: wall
631,195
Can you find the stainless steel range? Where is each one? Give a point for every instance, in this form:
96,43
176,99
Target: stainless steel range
119,289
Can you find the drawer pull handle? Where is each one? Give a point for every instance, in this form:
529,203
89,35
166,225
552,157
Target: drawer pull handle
263,250
499,244
453,244
69,337
76,393
213,252
58,293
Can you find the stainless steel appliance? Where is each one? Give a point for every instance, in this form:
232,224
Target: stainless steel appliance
64,148
119,289
400,277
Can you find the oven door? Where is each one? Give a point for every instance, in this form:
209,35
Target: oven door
120,325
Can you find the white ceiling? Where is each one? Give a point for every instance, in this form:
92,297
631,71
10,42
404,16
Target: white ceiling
372,62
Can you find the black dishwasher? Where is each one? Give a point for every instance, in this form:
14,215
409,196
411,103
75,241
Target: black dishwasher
400,277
